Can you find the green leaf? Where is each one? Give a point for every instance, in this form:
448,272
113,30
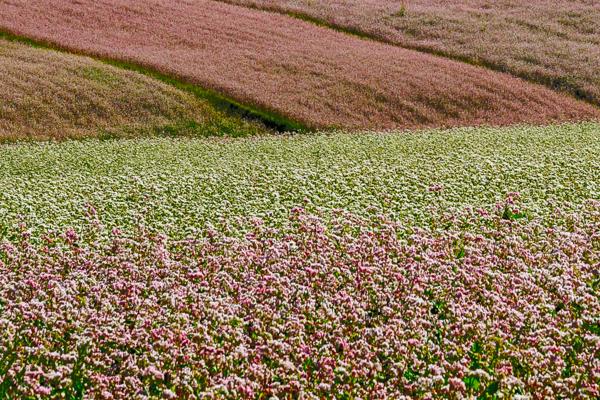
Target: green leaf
472,382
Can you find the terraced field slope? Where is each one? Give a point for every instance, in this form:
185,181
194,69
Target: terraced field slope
553,42
290,67
51,95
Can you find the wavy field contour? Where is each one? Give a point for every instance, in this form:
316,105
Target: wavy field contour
311,74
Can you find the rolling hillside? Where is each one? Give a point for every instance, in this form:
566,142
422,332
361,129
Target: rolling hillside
52,95
556,43
289,67
207,200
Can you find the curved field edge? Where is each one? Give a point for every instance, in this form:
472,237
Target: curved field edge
563,83
242,113
346,307
177,186
296,69
50,95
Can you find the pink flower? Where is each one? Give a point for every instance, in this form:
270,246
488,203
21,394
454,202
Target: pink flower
457,384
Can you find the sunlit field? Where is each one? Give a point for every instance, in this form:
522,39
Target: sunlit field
177,185
262,200
553,42
292,69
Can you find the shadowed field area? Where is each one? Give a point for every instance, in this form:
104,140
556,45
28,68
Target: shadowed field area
553,42
51,95
292,68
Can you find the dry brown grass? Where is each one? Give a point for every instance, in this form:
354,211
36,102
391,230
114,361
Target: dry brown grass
555,42
51,95
290,67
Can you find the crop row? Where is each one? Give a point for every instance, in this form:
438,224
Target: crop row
54,95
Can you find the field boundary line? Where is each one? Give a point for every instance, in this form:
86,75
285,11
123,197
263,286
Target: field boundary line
554,85
219,101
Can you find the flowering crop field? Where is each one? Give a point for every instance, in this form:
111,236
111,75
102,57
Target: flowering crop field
554,42
397,265
489,303
206,200
176,184
291,68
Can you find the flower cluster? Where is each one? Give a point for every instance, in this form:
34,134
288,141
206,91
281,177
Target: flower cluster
483,302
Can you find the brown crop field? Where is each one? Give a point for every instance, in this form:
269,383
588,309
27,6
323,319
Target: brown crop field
51,95
289,67
47,94
554,42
